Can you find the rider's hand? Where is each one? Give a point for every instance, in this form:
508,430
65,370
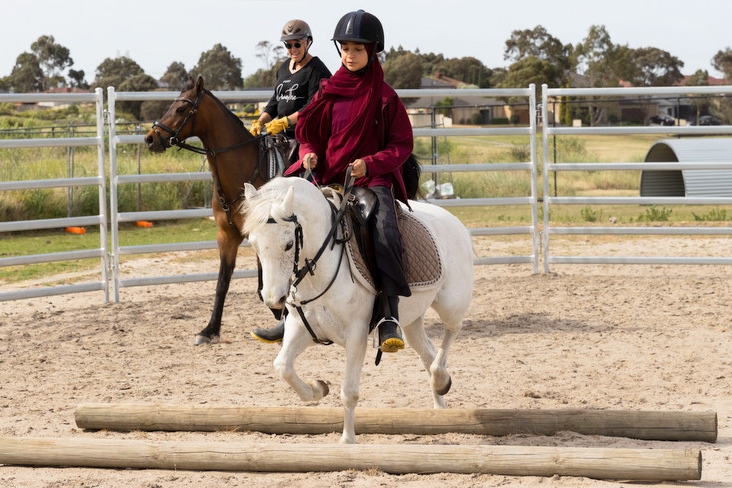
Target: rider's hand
277,125
310,161
358,168
256,128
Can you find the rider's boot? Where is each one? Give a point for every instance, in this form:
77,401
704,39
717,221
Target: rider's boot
271,335
390,333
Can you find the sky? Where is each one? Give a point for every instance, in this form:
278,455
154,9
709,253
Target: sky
156,33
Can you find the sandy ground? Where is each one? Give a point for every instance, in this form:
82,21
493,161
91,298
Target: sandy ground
585,336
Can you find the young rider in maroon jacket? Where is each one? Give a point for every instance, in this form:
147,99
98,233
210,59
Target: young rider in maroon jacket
357,120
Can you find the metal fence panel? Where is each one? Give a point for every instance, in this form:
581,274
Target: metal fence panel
99,181
549,167
529,167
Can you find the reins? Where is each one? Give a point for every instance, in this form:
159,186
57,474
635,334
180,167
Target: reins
310,265
174,140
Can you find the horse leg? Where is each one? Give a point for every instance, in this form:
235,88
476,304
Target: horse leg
434,362
355,354
228,241
296,340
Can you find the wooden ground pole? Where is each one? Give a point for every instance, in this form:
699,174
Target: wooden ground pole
625,464
645,425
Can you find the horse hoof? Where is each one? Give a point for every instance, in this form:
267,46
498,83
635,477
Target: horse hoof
324,387
202,339
446,389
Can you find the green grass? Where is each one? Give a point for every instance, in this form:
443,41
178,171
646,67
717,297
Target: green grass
53,241
25,164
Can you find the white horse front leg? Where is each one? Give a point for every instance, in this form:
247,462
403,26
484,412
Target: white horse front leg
292,345
434,362
355,354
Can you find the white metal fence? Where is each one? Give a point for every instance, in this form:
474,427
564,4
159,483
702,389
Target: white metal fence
116,179
99,181
538,234
551,201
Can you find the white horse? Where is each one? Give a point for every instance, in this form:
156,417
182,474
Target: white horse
289,223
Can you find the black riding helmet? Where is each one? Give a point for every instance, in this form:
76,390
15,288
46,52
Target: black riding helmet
361,27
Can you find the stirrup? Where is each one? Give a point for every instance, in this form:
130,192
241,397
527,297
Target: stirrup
390,340
271,335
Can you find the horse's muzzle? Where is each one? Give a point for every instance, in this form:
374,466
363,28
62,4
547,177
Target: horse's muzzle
154,142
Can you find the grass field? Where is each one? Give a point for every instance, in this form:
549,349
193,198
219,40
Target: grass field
30,164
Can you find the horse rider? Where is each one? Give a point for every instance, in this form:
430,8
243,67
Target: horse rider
298,79
357,120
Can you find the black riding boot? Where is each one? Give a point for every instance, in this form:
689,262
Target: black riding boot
271,335
390,333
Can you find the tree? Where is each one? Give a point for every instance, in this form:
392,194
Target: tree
220,69
651,66
53,59
403,71
262,78
431,63
271,55
530,70
77,78
139,83
26,76
596,58
469,70
700,103
175,76
722,61
114,72
539,44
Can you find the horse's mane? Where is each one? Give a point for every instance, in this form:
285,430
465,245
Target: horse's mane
189,86
226,110
265,204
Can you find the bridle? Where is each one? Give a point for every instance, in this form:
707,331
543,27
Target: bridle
174,134
310,265
174,140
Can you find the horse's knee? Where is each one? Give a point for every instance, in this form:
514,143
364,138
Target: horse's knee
280,367
349,398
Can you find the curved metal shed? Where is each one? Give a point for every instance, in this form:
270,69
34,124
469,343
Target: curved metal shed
689,183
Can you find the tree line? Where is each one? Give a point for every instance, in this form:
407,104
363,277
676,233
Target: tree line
532,56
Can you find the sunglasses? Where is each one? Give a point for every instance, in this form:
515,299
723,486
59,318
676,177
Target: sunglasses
296,45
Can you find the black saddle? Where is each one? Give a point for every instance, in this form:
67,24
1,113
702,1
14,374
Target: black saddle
276,154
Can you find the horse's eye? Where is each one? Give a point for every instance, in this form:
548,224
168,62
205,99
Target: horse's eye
180,109
289,246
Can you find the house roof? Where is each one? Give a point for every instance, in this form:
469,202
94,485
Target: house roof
711,81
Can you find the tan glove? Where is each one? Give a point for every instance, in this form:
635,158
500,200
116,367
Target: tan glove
277,125
256,128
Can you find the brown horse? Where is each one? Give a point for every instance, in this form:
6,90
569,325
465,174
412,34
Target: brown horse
233,156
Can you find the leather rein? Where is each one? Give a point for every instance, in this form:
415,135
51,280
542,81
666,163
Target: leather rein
310,265
174,140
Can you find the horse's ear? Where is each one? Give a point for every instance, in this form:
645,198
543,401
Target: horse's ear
249,191
288,203
199,83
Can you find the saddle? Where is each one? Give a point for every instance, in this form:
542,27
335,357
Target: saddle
276,154
422,261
